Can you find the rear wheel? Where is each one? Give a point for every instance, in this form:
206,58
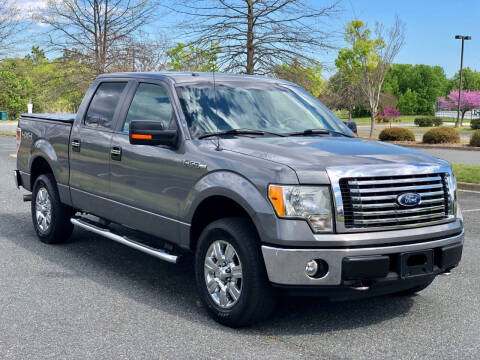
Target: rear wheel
231,275
51,218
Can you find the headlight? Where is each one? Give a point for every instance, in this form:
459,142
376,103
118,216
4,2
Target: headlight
311,203
452,193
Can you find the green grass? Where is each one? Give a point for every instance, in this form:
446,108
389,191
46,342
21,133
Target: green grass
467,173
461,129
401,119
7,133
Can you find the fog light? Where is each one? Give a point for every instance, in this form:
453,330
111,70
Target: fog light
311,268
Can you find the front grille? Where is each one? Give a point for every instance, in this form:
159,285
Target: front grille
371,202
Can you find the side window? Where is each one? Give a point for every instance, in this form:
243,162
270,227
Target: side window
103,105
150,102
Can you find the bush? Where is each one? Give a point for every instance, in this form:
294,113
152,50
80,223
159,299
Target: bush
382,119
423,122
396,134
475,139
428,121
475,124
441,135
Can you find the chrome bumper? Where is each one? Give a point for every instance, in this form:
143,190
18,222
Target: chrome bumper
287,266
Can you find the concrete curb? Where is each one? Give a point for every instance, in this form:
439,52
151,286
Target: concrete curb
422,146
468,186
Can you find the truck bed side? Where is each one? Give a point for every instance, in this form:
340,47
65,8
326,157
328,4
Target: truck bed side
44,143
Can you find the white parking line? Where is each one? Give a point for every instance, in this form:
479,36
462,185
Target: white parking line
470,210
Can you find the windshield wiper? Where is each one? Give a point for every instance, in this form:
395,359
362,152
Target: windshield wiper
318,132
239,132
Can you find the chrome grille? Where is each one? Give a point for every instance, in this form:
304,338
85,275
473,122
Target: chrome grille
371,202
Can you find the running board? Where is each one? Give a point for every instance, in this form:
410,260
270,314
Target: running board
158,253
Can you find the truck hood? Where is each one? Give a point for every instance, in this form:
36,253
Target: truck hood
309,155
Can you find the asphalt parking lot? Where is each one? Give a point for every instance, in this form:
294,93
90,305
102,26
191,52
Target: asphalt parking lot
95,299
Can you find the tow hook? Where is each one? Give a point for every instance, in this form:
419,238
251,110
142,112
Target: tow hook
447,272
360,287
27,197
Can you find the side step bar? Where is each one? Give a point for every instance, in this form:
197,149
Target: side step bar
158,253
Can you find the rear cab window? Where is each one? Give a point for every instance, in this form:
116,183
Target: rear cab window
102,107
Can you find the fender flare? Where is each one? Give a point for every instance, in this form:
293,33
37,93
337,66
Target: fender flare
231,185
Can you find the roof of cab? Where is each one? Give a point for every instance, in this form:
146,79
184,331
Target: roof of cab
181,77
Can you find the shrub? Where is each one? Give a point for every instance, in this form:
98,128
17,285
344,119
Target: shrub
423,122
396,134
475,139
475,124
441,135
382,119
428,121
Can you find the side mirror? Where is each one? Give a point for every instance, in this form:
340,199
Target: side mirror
147,132
352,125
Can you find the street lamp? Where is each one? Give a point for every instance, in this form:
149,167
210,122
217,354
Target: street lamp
463,38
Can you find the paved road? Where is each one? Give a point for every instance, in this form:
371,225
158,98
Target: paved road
455,156
8,126
96,299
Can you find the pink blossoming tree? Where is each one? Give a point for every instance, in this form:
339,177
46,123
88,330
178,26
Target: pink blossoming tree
390,113
470,100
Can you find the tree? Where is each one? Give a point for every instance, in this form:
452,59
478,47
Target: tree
13,90
427,82
470,100
341,93
308,76
408,103
95,28
368,59
257,35
9,25
185,57
470,80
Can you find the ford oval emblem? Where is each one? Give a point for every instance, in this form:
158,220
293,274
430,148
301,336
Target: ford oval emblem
409,199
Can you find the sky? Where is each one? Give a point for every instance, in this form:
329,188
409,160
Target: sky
431,27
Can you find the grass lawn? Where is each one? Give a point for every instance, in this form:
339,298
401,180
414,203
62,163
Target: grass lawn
467,173
7,133
461,129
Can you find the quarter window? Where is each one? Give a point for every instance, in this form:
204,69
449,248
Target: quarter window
102,107
151,103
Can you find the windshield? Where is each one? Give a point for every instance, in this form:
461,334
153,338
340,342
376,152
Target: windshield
255,105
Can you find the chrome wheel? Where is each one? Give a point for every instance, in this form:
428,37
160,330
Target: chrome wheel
43,209
223,274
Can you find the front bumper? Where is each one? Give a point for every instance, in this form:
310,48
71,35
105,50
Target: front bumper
287,266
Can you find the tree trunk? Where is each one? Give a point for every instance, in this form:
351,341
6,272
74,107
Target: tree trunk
250,46
463,115
350,111
372,123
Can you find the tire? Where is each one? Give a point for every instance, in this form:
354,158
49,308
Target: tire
416,289
255,301
45,196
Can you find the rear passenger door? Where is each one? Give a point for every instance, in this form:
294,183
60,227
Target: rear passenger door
90,144
144,179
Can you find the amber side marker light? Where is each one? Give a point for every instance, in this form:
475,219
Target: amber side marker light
275,193
141,137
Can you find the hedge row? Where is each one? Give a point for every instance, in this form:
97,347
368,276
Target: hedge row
428,121
440,135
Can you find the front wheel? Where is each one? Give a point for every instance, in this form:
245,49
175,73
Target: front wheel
231,275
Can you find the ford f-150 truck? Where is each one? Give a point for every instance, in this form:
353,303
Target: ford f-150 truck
253,177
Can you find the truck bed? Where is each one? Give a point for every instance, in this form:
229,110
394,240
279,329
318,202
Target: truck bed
65,118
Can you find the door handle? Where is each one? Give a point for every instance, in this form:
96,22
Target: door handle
76,145
116,153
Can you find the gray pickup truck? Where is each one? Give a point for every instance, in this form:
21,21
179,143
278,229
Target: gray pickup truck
254,178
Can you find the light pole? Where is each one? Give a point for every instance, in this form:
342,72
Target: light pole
463,38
